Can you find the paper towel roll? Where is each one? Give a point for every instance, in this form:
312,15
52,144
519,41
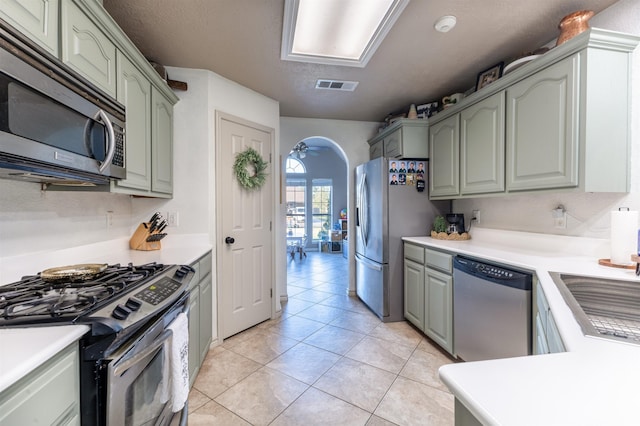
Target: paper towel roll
624,233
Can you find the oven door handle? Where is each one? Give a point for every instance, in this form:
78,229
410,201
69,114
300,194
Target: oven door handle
126,363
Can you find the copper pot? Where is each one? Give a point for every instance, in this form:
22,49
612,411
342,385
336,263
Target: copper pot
573,24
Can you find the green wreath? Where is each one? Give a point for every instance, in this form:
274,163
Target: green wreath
250,157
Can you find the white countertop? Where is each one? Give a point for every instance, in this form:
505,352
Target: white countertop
24,349
596,382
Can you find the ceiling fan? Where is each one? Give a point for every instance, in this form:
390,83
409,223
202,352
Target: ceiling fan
301,150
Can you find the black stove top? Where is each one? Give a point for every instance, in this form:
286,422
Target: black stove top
33,300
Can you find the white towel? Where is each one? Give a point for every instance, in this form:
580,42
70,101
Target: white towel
179,361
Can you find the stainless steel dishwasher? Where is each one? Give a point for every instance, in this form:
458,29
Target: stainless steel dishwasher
491,310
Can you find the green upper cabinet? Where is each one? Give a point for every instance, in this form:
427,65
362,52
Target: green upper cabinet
37,19
86,39
86,49
405,138
161,144
482,146
444,158
545,126
134,92
542,128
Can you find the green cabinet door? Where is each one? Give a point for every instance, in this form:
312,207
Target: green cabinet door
49,395
546,335
542,128
206,315
444,158
161,143
194,333
439,308
414,293
36,19
86,49
482,146
134,92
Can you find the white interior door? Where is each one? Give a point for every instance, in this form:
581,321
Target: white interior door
244,229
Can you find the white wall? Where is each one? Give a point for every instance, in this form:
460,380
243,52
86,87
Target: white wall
194,183
351,137
589,214
32,220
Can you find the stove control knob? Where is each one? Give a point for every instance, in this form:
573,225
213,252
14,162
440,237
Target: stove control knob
183,270
121,312
133,304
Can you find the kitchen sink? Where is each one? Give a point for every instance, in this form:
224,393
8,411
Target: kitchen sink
603,307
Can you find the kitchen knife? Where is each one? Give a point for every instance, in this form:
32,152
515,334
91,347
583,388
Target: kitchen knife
162,226
155,237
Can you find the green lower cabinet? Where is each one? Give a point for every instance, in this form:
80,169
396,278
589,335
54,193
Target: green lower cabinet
428,293
49,395
200,315
194,333
414,293
546,335
438,302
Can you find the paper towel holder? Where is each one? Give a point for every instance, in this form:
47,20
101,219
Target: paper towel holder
634,258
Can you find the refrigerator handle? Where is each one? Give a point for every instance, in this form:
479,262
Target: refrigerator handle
365,208
368,263
359,208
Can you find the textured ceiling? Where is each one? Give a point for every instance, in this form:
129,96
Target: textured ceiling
240,40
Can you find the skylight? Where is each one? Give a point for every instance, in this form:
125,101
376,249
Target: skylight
337,32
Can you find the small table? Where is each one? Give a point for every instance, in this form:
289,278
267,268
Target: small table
296,244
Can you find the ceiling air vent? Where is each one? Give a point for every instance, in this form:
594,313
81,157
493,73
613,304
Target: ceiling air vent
345,86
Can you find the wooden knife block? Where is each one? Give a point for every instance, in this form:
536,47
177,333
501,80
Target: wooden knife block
139,241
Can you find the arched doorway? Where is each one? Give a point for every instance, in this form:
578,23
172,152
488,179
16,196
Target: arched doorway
316,199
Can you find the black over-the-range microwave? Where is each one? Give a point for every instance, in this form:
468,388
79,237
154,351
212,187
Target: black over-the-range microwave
55,127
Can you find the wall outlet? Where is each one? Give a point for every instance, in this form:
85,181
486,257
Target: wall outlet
109,218
560,221
172,219
475,214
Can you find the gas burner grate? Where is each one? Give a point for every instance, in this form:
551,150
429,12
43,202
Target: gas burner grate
34,297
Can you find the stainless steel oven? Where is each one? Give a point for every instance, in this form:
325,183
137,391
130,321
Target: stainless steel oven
139,378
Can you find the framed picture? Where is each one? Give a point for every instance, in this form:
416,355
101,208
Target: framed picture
489,76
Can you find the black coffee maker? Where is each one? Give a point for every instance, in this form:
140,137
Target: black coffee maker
456,223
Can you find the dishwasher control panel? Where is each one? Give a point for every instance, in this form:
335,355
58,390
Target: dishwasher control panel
492,272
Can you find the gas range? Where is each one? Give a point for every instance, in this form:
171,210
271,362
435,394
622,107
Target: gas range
114,300
125,357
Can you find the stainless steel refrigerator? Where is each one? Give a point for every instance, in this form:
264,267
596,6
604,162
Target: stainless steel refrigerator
389,207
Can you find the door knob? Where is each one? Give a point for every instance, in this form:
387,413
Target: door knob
229,240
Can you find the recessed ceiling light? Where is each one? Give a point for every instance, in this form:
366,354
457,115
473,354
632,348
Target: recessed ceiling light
336,32
445,24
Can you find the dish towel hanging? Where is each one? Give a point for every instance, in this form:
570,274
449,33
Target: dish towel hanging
179,361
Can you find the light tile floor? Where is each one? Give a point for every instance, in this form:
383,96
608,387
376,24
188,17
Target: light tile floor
327,361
